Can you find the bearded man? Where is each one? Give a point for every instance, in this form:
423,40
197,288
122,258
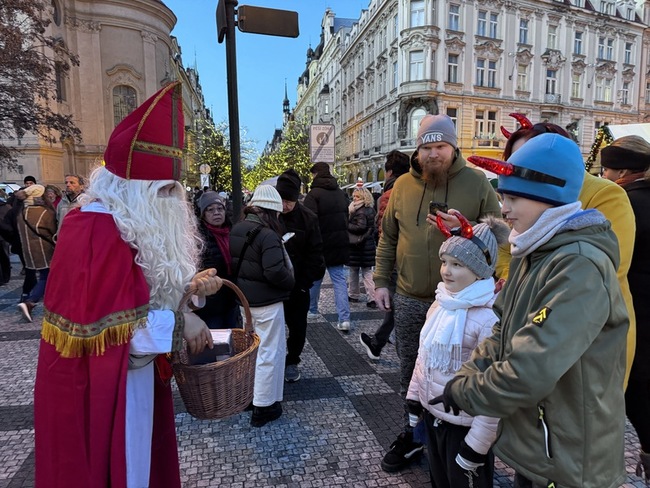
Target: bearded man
103,413
438,179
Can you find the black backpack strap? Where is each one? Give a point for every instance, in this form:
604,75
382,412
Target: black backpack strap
250,237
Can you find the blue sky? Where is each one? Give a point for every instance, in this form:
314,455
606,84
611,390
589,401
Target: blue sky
263,62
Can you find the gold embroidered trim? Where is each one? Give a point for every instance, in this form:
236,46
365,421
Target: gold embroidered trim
162,93
157,149
74,339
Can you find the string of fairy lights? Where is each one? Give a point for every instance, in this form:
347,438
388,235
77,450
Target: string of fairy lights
603,135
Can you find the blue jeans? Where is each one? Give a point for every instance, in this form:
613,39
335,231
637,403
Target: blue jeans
39,288
340,284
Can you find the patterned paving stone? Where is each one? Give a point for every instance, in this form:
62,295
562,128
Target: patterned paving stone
338,420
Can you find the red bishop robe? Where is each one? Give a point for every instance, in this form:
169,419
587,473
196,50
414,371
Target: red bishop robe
96,296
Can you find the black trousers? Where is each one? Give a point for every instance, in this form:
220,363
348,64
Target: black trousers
637,406
295,316
443,444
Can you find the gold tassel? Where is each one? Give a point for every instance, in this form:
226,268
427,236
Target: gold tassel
70,347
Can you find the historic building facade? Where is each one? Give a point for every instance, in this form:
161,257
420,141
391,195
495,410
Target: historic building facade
576,63
126,53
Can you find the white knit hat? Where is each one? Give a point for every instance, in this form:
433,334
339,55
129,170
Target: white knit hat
266,196
33,191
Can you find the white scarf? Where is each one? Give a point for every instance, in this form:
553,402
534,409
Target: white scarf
541,231
441,338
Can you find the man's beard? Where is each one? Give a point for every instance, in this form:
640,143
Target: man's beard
162,230
434,175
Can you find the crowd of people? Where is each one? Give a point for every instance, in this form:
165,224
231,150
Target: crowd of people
519,312
30,219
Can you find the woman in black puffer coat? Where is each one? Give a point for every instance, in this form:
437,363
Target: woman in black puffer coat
361,228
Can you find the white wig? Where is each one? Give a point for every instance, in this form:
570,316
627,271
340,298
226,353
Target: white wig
161,227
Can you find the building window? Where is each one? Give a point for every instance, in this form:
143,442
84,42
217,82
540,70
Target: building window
609,51
551,40
492,74
601,48
522,77
607,7
454,17
630,14
551,81
452,113
416,116
381,86
578,3
417,13
625,93
628,53
56,13
481,26
416,65
124,102
647,93
393,127
576,85
523,31
494,25
480,72
603,89
485,127
395,75
381,131
59,77
395,27
452,68
577,43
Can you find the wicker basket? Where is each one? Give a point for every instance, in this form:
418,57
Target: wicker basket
218,390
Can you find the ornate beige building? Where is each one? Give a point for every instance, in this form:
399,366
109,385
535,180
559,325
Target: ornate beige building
577,63
126,53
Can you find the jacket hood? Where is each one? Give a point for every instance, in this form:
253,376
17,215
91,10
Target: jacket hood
327,182
589,226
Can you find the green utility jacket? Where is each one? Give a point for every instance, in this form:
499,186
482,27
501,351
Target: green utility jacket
553,369
409,242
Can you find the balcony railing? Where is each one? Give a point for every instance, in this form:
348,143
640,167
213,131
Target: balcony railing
552,98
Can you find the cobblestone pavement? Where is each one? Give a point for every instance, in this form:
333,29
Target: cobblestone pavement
338,420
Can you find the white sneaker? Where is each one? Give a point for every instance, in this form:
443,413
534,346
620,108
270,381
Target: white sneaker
311,315
343,326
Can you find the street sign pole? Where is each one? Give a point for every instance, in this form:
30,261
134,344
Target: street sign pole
233,108
260,20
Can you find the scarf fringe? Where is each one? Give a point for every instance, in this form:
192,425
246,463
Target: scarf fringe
70,347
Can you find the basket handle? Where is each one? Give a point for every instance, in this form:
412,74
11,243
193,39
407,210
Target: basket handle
248,326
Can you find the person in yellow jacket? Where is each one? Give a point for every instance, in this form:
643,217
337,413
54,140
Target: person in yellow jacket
612,201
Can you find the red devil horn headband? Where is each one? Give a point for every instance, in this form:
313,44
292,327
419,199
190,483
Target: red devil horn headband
523,122
465,230
504,168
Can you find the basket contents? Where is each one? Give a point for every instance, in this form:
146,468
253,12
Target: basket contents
222,349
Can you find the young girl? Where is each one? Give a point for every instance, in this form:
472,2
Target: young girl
458,320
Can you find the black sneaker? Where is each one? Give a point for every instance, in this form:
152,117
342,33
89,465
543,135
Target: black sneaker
263,415
373,352
402,453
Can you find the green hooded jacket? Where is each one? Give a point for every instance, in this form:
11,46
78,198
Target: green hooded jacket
553,369
409,242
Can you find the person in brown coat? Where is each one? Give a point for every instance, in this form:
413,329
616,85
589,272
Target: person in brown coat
36,227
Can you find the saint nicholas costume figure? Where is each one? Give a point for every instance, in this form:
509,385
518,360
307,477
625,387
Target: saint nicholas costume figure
103,412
